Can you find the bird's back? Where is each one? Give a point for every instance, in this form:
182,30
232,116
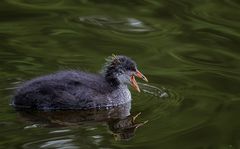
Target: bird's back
64,90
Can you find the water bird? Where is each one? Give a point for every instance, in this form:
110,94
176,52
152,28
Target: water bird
81,90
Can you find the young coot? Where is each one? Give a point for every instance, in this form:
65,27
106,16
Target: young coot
81,90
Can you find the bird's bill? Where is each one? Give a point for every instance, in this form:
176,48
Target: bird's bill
134,84
140,75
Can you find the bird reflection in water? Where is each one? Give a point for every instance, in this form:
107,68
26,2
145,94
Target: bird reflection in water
124,129
119,119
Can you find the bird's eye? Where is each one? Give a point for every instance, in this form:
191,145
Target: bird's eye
132,68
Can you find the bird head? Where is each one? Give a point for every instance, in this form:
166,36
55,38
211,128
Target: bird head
121,69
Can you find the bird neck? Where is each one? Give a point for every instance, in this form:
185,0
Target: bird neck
111,78
110,74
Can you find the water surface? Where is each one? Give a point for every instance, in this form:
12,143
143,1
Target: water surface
190,48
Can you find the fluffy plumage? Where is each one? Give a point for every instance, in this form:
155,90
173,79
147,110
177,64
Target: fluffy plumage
116,66
77,89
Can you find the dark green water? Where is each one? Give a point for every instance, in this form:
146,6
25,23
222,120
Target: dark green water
190,47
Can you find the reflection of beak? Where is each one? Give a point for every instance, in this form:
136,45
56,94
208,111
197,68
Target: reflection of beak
134,82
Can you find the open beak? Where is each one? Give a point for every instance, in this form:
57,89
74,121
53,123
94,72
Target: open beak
140,75
134,82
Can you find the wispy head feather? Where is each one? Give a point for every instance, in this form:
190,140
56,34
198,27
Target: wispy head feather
116,65
113,58
111,61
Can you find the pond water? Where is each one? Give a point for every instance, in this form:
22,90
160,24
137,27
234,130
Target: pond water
188,47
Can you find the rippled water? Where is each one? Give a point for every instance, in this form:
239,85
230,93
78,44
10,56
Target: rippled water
188,49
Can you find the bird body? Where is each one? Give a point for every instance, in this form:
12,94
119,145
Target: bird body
76,89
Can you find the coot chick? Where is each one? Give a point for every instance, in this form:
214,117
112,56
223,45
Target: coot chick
81,90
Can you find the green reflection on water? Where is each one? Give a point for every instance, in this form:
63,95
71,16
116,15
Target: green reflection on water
189,47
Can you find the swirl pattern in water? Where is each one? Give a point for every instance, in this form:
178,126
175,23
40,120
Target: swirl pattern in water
116,24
